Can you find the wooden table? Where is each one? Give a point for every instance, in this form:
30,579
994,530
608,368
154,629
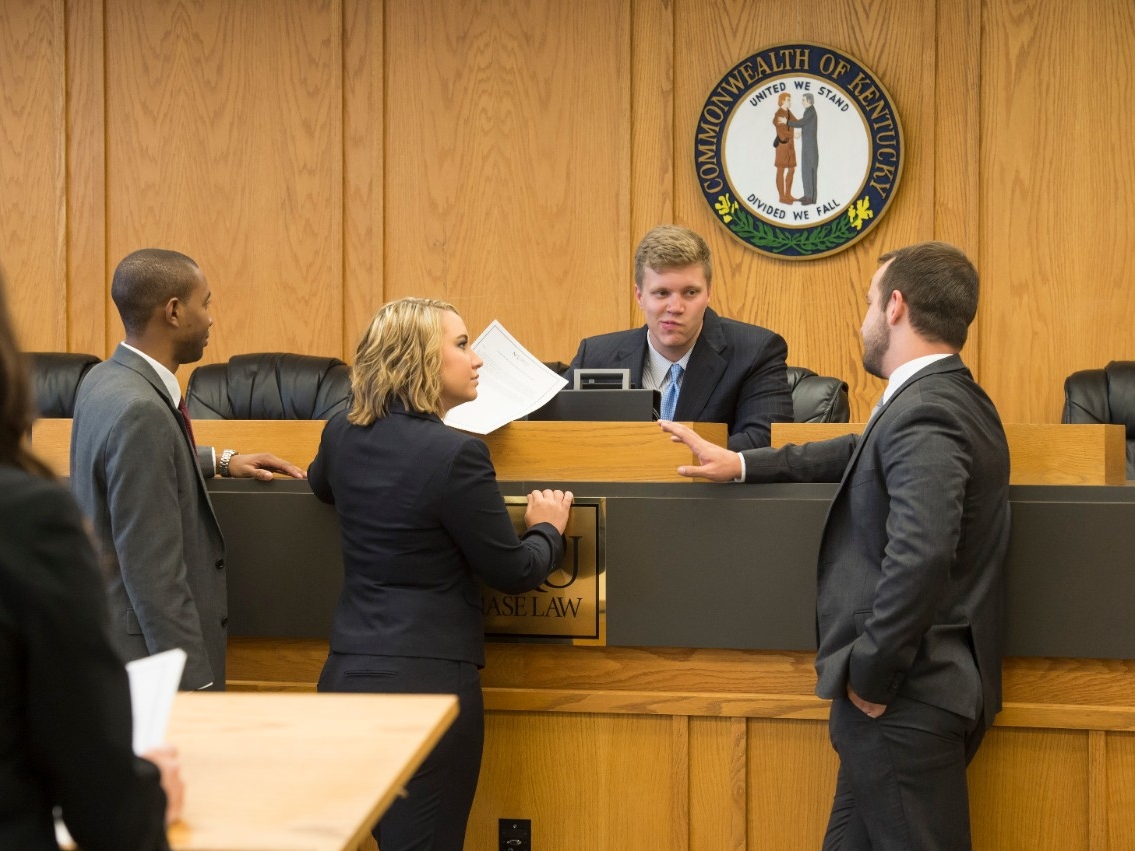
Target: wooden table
285,772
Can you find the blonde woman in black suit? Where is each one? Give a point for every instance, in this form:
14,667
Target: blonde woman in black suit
422,520
65,731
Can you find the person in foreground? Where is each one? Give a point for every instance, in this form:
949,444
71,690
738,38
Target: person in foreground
138,475
707,368
422,519
910,567
65,724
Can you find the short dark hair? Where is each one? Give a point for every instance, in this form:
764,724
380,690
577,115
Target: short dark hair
145,280
669,247
940,287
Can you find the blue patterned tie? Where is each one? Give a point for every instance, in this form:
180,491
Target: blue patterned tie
670,397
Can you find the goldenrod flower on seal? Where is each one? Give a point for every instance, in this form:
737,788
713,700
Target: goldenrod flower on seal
859,212
725,207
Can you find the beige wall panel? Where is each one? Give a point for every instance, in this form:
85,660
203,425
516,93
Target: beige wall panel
32,199
1029,790
652,133
792,771
507,163
86,178
956,177
585,781
718,784
816,305
1120,790
362,167
224,140
1056,213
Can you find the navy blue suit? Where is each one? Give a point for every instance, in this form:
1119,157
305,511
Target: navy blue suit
421,519
735,375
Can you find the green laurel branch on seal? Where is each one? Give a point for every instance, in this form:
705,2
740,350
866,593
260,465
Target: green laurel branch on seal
812,241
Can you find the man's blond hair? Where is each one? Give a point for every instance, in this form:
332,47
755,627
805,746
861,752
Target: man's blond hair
669,247
399,357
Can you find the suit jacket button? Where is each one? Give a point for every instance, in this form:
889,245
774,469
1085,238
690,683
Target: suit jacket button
224,621
220,564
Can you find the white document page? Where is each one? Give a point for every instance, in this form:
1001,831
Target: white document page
513,384
153,685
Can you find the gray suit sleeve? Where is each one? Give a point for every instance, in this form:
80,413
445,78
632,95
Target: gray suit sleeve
818,461
145,515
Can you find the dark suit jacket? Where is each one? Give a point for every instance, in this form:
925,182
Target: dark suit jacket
910,567
736,375
65,732
421,517
137,481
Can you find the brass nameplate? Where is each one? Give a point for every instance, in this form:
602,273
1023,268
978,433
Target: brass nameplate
571,604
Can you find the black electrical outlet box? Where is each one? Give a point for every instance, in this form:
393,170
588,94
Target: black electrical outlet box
515,834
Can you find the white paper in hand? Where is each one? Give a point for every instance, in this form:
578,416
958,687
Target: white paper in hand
513,383
153,685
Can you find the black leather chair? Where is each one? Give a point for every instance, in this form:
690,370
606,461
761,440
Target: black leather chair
818,398
269,386
55,379
1104,396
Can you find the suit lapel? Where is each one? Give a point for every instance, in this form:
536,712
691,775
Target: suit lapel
134,362
947,364
704,370
632,354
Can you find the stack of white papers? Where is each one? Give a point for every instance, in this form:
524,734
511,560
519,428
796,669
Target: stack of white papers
513,384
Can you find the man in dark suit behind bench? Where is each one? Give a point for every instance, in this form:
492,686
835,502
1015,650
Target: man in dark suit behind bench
910,569
708,369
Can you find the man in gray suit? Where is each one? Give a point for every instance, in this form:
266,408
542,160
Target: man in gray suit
909,627
140,479
809,148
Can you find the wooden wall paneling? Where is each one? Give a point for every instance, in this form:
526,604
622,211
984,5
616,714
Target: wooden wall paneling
1120,790
585,781
224,141
1097,790
816,305
718,785
32,170
652,137
87,277
957,180
1029,790
363,137
1055,220
507,163
792,771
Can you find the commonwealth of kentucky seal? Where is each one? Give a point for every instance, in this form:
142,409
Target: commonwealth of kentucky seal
798,150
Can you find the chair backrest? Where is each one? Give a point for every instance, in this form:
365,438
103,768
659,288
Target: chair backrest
55,379
818,398
1104,396
269,386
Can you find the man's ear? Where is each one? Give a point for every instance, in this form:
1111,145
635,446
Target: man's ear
172,311
896,307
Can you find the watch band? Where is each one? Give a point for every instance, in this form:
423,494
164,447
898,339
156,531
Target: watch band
223,464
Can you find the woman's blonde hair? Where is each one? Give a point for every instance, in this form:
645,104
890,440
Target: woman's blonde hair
399,357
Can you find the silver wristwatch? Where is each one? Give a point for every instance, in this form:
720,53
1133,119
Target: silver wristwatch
223,464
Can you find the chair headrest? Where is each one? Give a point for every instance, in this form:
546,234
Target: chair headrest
55,379
817,398
270,386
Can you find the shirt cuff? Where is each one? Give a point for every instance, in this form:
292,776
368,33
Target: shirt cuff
741,477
